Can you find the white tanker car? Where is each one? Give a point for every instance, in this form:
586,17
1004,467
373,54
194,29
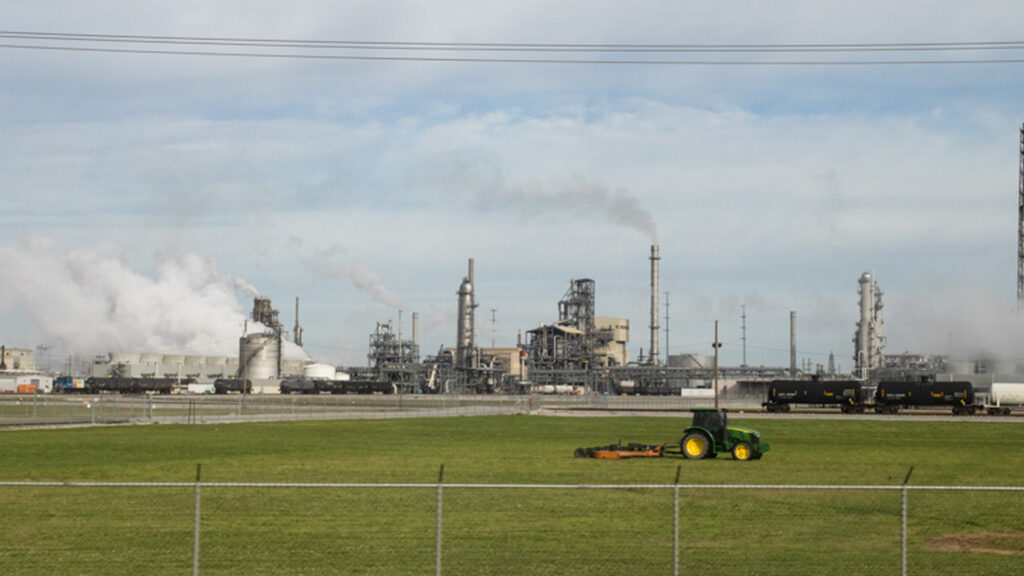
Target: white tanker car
1004,396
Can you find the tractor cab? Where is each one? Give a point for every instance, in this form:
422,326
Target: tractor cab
715,422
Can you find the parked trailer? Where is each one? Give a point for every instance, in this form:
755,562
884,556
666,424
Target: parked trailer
1003,397
849,395
891,396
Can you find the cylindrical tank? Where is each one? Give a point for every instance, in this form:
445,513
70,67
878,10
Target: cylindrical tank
1006,394
319,371
260,355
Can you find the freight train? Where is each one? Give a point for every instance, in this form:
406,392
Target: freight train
887,397
336,387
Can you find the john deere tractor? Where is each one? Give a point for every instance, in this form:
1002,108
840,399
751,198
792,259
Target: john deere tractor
711,435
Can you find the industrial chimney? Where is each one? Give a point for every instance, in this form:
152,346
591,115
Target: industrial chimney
792,343
298,329
653,351
465,338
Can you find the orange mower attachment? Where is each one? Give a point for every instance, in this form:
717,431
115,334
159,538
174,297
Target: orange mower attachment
620,451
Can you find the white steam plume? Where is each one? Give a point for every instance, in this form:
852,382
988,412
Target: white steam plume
89,301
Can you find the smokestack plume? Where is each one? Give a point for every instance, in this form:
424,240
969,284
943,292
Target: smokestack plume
654,305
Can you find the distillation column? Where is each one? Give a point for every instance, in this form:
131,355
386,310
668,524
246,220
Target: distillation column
465,338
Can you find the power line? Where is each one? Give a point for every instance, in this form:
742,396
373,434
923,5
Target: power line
413,51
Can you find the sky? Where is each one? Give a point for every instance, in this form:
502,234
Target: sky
149,194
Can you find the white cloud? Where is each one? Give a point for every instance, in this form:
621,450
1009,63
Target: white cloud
770,185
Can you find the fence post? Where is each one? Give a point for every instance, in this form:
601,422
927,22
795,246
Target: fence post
903,531
675,524
440,498
195,536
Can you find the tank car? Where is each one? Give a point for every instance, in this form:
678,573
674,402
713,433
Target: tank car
893,395
848,395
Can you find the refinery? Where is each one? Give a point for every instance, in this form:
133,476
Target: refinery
579,352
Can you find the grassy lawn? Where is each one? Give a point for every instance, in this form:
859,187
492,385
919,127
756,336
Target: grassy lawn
114,530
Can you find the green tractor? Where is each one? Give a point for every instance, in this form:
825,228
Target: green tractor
710,435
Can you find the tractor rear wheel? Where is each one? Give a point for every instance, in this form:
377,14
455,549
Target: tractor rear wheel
742,451
696,446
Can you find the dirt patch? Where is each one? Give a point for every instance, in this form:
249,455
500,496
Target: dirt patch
1006,544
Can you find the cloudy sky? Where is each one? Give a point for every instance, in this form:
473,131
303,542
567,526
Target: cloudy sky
150,188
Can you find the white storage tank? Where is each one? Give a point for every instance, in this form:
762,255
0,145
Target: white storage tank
262,356
342,376
318,371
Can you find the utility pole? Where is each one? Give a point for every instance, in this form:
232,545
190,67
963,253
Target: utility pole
743,315
716,346
666,330
1020,229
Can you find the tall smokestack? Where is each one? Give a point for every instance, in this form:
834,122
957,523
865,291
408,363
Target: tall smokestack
416,329
298,329
653,351
792,343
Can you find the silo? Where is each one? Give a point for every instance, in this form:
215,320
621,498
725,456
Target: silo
261,356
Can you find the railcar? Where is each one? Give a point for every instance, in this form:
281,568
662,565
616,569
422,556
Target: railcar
892,395
848,395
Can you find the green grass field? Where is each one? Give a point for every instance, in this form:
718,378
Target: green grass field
114,530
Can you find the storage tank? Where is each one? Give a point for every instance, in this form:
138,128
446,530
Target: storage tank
262,356
319,371
1006,394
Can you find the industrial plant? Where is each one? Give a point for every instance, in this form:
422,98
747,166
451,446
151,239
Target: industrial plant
579,351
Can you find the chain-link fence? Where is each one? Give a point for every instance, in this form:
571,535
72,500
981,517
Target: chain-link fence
252,528
64,409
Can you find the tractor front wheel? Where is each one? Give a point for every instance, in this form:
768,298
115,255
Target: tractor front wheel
696,446
742,451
